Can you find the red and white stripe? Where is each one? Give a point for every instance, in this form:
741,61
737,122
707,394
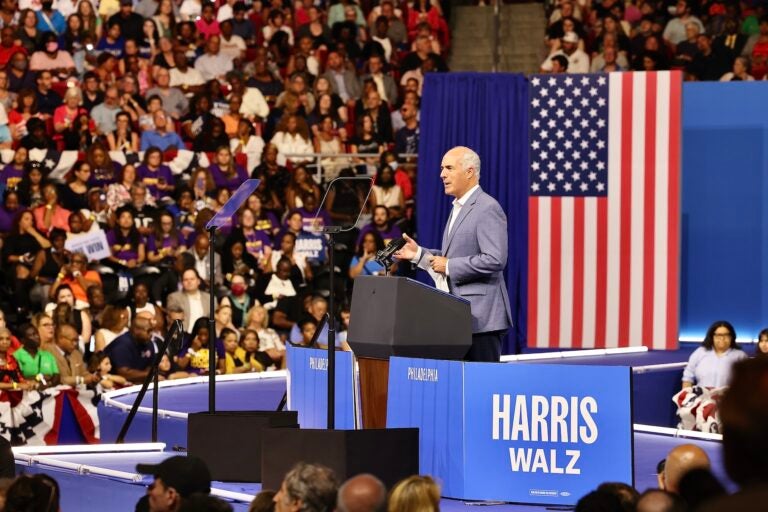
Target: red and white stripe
604,272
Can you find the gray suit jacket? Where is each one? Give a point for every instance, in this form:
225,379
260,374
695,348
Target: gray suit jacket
390,88
182,299
350,82
476,249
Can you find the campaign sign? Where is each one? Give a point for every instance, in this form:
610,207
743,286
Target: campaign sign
308,387
544,434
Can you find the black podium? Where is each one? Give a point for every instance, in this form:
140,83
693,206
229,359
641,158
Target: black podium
396,316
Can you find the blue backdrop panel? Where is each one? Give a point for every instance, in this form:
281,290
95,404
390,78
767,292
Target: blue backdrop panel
520,433
308,387
488,113
725,219
416,395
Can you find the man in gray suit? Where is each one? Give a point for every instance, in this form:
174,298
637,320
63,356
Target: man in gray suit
195,303
473,254
343,81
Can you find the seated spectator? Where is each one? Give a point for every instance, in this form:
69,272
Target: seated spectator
245,141
686,50
101,367
710,364
679,461
114,323
253,106
756,49
198,116
225,171
165,244
123,138
194,356
363,263
343,81
415,494
51,214
740,71
236,356
163,137
195,303
47,99
25,109
132,353
65,309
8,45
119,193
104,114
125,242
19,76
762,343
387,193
675,32
578,61
422,52
9,209
112,43
175,103
367,141
292,139
268,340
709,64
72,369
407,137
329,141
74,195
232,118
378,109
211,137
213,65
35,363
232,45
207,25
362,493
186,78
38,137
104,171
77,277
382,225
288,250
258,242
309,487
177,479
155,175
59,62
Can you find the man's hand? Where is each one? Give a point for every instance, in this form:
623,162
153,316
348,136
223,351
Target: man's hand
438,264
409,250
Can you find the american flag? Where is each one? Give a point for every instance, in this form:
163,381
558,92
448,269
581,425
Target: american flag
604,210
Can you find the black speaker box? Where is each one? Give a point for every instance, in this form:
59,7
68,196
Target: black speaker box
230,441
390,454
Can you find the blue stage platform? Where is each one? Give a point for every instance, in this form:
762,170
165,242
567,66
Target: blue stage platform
90,481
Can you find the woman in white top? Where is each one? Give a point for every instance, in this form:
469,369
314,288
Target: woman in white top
386,192
269,340
740,71
292,138
114,323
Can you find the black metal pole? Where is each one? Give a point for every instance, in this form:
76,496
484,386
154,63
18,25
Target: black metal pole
331,339
212,327
155,403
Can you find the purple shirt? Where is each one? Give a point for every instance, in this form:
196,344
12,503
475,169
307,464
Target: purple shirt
101,177
267,223
121,249
222,181
307,217
167,242
256,242
387,235
6,219
11,176
152,178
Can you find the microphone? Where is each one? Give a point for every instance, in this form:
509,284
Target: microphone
385,255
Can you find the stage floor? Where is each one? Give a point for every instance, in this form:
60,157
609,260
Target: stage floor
84,490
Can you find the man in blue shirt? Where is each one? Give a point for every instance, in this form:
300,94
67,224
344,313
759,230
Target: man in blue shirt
162,136
132,353
49,20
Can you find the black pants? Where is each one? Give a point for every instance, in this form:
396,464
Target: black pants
486,347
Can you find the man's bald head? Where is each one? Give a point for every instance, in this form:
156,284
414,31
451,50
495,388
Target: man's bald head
362,493
657,500
680,461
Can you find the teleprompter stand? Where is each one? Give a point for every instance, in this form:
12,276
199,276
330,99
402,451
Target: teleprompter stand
390,454
230,441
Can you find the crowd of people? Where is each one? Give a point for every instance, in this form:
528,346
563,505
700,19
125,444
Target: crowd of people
293,94
708,40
